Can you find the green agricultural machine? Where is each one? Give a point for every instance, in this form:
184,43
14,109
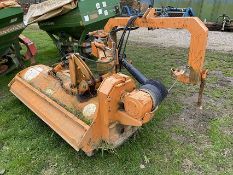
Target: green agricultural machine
11,27
70,31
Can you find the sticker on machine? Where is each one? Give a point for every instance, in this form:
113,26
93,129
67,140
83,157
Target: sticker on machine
32,73
89,110
106,12
13,20
104,4
97,5
100,11
86,18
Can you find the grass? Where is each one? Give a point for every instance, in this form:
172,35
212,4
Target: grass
180,140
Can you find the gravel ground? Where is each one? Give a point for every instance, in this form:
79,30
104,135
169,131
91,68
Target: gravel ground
220,41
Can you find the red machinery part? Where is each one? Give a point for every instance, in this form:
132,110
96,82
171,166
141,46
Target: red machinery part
3,69
31,49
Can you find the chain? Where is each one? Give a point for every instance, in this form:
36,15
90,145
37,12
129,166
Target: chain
172,86
68,91
74,94
185,68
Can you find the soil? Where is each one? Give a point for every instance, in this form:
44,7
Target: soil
222,80
192,118
197,121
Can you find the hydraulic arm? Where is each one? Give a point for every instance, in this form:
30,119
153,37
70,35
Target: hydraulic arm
199,34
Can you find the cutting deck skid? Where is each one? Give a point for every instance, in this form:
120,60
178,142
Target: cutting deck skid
79,123
59,119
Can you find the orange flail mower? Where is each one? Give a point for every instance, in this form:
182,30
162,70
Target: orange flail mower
88,111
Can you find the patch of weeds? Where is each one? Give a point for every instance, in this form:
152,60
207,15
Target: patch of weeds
73,111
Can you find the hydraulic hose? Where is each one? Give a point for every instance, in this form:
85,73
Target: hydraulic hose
134,72
156,89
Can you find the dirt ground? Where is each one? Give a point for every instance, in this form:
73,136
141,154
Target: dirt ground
220,41
193,119
198,122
